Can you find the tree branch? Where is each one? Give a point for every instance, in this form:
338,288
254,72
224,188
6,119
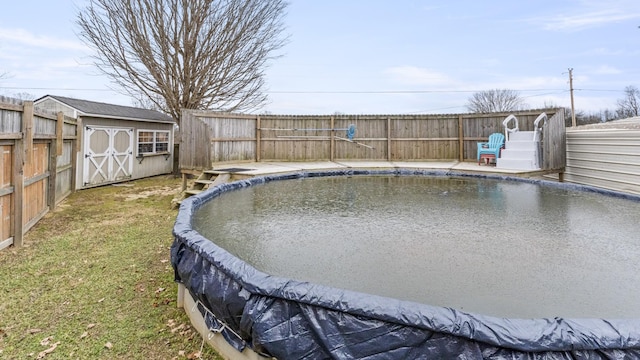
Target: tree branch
194,54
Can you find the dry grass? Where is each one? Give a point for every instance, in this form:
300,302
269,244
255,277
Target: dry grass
94,280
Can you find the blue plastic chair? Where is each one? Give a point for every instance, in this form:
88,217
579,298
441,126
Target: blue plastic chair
492,147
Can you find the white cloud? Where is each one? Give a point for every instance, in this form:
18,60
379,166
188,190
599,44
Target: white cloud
606,70
526,83
26,38
587,20
542,82
594,103
412,75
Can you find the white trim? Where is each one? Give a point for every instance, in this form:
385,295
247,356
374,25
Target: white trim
113,117
121,162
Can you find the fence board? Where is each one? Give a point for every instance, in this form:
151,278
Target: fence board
554,143
6,188
65,172
195,143
35,193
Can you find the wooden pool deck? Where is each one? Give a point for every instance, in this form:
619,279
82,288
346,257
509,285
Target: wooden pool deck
278,167
228,171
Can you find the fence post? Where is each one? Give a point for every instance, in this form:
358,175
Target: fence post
460,139
77,153
258,138
332,139
389,139
53,173
74,157
59,133
18,192
27,130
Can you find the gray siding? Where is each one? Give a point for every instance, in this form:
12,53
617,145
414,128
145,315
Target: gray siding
55,107
606,158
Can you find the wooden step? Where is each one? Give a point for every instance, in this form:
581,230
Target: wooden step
215,172
221,179
203,181
208,178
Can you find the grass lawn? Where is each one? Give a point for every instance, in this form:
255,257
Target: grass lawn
94,280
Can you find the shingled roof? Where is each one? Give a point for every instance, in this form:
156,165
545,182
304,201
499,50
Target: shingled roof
98,109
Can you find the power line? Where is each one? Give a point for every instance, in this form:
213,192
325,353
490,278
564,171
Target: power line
393,91
600,90
545,94
52,88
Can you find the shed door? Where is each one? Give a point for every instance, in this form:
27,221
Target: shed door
108,155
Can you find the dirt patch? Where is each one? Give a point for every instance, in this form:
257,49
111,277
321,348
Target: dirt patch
160,191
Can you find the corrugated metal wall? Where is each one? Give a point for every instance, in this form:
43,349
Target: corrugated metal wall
606,157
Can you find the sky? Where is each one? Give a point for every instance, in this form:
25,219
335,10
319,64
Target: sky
376,56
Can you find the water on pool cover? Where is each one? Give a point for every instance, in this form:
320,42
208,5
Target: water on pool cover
500,248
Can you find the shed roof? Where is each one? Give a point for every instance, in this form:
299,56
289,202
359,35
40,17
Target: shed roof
99,109
628,123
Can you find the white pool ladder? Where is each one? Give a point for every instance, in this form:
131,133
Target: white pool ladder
522,148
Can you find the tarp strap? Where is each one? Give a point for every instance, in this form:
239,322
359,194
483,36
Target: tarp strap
222,325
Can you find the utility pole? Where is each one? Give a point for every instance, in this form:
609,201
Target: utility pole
573,109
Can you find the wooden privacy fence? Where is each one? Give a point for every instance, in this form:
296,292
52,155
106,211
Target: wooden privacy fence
36,167
210,137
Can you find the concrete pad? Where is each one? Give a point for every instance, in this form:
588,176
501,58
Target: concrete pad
311,165
367,164
281,167
430,165
261,168
489,169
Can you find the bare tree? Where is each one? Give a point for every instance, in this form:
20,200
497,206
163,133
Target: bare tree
629,106
24,96
496,100
144,102
192,54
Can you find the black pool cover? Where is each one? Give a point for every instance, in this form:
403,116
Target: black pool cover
288,319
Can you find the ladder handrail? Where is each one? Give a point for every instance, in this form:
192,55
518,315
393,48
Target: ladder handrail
507,130
536,130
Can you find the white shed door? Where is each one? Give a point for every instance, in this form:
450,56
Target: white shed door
108,155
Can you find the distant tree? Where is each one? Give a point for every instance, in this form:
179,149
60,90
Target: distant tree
186,54
629,106
583,117
496,100
24,96
607,115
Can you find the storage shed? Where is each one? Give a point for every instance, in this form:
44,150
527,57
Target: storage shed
605,155
117,143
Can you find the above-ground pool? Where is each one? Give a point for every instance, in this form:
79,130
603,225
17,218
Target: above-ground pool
398,267
507,249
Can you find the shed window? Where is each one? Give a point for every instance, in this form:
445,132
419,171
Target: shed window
153,141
